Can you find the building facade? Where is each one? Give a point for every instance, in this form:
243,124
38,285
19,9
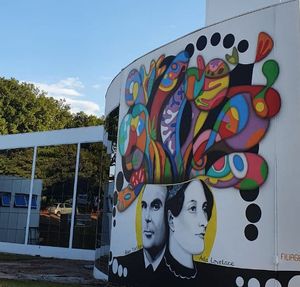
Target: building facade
205,185
50,184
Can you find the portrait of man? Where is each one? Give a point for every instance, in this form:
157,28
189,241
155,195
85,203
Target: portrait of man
140,266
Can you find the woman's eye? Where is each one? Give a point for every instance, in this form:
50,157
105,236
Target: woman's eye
204,207
192,209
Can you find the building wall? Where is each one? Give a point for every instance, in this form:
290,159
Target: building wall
220,106
217,11
13,219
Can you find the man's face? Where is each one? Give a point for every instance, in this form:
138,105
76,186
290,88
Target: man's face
153,223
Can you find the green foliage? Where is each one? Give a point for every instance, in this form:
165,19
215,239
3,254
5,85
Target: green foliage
24,108
83,120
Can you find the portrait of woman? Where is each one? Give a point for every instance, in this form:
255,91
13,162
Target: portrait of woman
188,210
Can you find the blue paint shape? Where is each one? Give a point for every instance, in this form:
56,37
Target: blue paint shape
238,162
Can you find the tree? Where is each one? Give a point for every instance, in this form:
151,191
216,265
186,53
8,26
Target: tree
24,108
81,119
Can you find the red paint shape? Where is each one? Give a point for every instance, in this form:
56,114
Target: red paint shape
264,46
137,177
273,102
219,164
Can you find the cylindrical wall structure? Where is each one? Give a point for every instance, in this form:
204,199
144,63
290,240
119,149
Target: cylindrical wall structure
206,187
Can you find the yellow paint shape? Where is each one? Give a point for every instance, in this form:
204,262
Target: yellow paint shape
200,121
209,238
134,122
234,113
157,175
135,90
138,219
215,87
260,106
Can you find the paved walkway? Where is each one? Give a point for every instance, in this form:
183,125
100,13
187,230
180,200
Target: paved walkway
47,269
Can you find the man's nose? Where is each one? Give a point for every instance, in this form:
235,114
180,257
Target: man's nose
148,215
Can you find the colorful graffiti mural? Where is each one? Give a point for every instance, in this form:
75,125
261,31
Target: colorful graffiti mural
206,162
186,122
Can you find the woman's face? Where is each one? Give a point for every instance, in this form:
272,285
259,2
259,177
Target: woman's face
190,224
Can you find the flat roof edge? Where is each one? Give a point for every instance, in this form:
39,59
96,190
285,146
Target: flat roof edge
55,137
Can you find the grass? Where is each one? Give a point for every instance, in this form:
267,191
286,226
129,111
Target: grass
15,283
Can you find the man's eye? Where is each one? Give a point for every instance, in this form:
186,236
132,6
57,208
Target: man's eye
156,206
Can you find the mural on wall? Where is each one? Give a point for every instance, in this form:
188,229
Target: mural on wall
197,122
190,129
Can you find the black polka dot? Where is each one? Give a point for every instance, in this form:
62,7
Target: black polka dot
114,223
115,198
251,232
243,46
253,213
201,43
190,49
215,39
249,195
228,41
114,211
120,181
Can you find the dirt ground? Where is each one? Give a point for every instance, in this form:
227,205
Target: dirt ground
48,269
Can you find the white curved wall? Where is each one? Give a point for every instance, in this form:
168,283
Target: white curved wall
276,246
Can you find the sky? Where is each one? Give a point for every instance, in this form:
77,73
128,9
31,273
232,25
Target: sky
72,49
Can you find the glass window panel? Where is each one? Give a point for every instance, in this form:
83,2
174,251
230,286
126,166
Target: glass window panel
20,200
15,178
93,163
54,177
5,200
34,202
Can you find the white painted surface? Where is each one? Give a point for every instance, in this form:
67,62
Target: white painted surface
279,197
112,97
47,251
220,10
99,275
56,137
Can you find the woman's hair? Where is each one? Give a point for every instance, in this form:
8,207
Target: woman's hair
175,198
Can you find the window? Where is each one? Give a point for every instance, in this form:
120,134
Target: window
55,172
20,200
5,200
33,202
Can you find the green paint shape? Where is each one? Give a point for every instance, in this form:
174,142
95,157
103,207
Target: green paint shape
271,71
264,170
248,184
167,172
234,57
